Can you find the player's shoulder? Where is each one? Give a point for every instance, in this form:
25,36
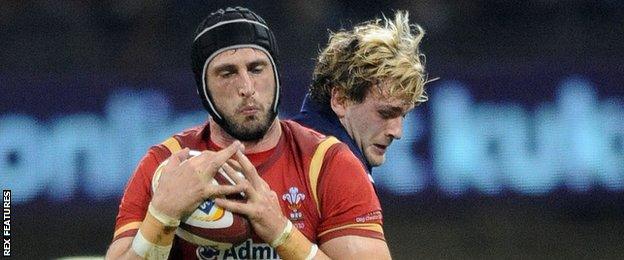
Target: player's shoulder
306,140
190,137
311,141
302,132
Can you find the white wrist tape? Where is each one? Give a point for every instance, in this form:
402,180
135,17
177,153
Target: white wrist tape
149,250
313,251
162,217
279,240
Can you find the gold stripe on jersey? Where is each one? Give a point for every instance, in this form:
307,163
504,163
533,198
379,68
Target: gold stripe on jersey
316,164
126,227
172,144
368,226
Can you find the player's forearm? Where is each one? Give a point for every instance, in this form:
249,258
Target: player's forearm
299,247
122,250
152,241
292,244
128,252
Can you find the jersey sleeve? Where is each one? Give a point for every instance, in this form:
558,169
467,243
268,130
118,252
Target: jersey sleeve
347,200
136,197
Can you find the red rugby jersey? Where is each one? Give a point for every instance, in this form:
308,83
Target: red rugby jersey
338,201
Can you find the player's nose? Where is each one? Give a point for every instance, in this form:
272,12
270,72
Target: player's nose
395,128
246,85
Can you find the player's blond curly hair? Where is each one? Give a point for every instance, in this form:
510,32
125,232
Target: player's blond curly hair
373,52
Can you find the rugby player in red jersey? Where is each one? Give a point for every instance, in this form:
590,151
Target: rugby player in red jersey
308,196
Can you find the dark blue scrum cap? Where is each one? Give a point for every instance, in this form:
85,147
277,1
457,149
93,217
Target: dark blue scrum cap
225,30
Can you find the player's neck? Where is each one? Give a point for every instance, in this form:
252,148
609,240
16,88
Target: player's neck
269,141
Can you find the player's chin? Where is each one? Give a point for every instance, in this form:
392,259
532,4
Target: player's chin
378,162
253,122
246,121
375,159
253,119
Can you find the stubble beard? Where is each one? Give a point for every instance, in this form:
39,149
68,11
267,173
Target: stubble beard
251,128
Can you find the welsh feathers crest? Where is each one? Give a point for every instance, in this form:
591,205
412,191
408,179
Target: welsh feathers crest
294,199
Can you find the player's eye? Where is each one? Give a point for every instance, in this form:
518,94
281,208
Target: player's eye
391,113
257,69
385,114
226,74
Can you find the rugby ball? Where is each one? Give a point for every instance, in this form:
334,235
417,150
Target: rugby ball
211,225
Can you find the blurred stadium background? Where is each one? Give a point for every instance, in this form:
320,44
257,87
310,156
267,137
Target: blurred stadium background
518,154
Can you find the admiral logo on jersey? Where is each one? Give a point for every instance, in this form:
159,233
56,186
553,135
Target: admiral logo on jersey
247,250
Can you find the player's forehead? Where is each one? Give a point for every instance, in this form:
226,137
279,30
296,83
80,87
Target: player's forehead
381,96
239,56
392,105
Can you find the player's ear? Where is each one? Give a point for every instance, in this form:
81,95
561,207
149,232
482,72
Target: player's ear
338,102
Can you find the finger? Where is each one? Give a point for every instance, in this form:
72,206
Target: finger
249,170
235,175
209,162
193,164
221,190
220,157
234,206
239,178
176,159
236,165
